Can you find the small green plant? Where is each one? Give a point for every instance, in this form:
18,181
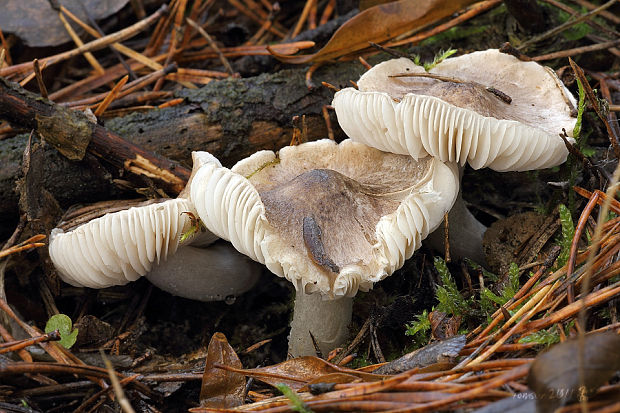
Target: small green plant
419,328
298,405
359,361
197,226
580,108
63,324
546,337
439,57
451,301
578,30
488,299
566,238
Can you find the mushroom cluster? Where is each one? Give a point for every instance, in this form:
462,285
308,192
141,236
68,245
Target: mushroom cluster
336,218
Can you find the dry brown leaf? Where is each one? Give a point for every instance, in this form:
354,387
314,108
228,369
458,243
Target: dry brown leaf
554,375
439,352
221,388
299,371
379,24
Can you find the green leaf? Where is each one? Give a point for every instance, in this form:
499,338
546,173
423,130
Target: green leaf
450,299
566,238
513,283
580,108
545,337
63,324
420,325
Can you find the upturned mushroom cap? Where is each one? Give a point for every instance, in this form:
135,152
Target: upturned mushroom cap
120,247
330,218
465,120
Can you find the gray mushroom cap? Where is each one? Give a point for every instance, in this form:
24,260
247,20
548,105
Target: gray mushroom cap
464,120
330,218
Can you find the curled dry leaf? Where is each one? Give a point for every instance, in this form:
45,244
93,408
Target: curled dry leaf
298,372
378,24
221,388
438,352
554,375
38,25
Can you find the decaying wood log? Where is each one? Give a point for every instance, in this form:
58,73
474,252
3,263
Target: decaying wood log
230,118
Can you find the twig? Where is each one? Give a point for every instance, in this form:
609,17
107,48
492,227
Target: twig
472,12
576,51
213,45
79,43
303,17
5,47
613,138
327,12
587,211
608,15
39,76
90,46
566,25
30,243
612,119
243,9
97,34
111,96
127,88
118,389
20,344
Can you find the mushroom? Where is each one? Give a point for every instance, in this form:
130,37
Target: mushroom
120,247
331,218
486,108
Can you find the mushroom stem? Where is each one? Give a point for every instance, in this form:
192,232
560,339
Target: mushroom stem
465,234
327,320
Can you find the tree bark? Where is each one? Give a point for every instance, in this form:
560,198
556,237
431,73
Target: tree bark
230,118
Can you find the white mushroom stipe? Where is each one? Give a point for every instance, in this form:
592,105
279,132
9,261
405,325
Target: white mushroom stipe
333,219
216,273
464,120
327,320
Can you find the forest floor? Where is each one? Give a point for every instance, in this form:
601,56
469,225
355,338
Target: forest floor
165,350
